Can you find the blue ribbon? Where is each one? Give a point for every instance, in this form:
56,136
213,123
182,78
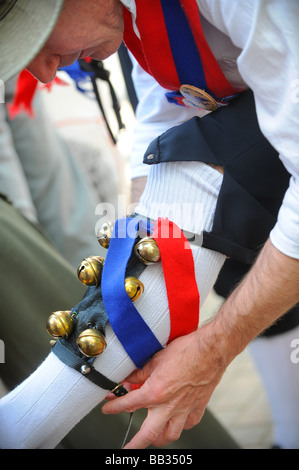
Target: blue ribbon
78,75
132,331
184,50
183,46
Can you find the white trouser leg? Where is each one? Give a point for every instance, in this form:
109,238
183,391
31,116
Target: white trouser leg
280,377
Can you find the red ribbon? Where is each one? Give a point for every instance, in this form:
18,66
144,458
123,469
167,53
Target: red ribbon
26,88
153,51
215,78
179,274
24,94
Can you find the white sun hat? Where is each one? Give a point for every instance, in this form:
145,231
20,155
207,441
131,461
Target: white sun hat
25,26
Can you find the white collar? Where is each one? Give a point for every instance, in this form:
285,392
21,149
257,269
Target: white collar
131,6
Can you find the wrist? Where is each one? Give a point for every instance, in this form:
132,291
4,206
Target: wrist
258,301
214,346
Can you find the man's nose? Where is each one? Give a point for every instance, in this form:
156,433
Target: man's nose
44,68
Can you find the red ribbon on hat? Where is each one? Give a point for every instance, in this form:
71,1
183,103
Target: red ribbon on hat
179,274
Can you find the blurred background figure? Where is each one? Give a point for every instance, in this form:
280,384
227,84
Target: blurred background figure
47,178
50,186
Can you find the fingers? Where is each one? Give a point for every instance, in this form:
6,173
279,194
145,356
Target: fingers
134,381
135,399
171,431
164,423
149,432
158,430
132,401
175,397
139,376
128,386
194,418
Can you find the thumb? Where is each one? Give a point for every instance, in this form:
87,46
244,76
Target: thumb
139,376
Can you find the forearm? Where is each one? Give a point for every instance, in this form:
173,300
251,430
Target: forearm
269,290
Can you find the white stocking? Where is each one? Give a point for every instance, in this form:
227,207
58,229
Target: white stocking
280,376
46,406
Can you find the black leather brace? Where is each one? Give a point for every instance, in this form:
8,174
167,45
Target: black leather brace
73,360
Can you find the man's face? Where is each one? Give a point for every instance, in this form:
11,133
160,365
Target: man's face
86,28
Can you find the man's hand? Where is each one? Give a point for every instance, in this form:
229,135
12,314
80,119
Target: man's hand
180,379
177,387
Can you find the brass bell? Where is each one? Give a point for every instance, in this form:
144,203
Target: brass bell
147,251
104,234
134,288
91,342
60,324
90,270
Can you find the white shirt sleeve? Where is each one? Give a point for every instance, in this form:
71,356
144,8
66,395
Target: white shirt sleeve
267,32
154,115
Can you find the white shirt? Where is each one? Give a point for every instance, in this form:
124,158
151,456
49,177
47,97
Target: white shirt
266,31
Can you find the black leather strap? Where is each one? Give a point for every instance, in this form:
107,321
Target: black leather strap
85,368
